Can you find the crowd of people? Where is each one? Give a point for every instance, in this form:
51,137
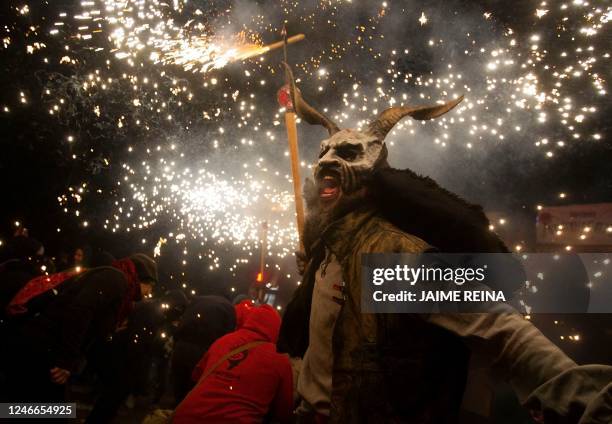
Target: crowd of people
94,333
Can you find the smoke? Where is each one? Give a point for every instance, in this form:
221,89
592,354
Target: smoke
509,145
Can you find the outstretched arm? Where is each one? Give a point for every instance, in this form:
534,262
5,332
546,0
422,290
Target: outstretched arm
545,380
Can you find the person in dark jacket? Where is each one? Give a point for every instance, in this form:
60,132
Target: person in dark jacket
47,347
205,320
124,364
173,305
55,320
242,379
110,357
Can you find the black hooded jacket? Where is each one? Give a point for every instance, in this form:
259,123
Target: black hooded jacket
80,311
205,320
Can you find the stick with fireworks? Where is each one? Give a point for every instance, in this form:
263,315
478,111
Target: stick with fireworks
203,54
285,99
259,281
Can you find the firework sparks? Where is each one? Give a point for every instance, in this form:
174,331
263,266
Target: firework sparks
541,91
202,55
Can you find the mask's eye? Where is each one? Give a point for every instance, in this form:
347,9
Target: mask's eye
348,152
323,151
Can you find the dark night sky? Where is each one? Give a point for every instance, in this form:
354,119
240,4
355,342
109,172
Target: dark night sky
36,165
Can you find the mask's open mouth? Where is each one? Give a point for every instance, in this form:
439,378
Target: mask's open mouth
328,183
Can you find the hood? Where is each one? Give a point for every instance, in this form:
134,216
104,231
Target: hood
146,268
206,319
176,299
22,247
173,303
243,309
265,321
101,258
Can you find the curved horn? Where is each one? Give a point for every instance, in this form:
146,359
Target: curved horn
304,110
388,118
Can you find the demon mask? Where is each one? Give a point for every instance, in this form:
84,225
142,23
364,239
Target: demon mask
348,157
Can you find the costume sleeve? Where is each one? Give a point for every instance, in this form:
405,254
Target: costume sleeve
543,377
296,367
545,380
282,406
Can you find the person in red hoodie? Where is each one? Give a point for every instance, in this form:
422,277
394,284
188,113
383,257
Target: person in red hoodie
241,378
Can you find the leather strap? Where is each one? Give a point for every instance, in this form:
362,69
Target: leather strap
215,366
227,356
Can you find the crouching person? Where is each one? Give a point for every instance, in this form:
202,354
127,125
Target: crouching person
55,319
241,378
46,347
205,320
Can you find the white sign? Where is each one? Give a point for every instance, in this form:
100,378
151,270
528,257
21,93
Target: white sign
589,224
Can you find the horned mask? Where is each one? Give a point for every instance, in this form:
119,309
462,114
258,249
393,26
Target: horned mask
348,157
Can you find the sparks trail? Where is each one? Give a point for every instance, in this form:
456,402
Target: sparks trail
199,54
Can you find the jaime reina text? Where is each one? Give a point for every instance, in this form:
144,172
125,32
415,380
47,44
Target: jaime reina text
440,296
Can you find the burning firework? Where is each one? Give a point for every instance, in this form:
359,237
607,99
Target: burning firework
202,55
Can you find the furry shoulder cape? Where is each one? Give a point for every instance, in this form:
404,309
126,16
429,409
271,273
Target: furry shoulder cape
419,206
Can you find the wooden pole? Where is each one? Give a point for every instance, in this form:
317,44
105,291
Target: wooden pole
262,262
295,172
264,243
279,44
293,149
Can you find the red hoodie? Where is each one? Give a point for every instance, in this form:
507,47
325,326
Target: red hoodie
246,387
242,311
